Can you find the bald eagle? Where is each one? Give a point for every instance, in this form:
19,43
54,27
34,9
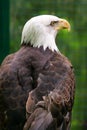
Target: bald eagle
37,83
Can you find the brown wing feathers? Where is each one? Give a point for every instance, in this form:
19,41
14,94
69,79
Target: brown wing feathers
48,79
56,91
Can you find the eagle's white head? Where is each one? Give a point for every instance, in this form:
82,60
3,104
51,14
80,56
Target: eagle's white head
42,30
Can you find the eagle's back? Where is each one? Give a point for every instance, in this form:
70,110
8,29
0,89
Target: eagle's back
36,70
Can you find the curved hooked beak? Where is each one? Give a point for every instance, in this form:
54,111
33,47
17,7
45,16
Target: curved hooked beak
62,24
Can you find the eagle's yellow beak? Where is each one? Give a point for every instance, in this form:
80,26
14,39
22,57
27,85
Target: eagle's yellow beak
63,24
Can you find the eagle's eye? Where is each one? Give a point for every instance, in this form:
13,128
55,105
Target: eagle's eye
53,23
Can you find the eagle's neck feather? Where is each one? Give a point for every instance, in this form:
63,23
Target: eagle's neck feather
45,42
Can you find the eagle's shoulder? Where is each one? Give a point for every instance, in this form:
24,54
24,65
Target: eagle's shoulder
63,60
8,59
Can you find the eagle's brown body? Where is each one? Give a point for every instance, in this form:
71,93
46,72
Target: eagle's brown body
38,72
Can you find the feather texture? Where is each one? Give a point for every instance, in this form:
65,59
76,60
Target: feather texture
43,79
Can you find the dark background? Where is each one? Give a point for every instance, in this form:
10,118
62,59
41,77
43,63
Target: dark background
14,14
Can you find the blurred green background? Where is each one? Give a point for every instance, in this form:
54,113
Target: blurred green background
15,13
